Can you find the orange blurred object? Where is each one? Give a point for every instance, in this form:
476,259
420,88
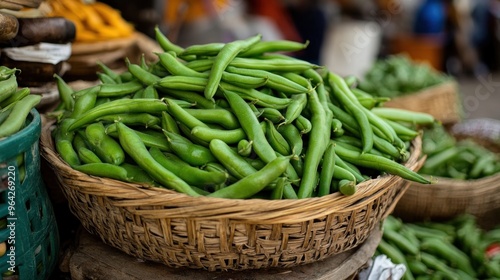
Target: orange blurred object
276,12
191,10
94,21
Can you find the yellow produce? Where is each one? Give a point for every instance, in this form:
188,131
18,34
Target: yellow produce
3,248
94,21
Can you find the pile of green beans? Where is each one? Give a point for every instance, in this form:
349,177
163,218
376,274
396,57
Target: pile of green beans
463,159
454,249
15,103
235,120
397,75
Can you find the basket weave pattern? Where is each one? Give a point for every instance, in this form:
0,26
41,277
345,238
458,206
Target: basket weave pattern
448,198
225,234
441,101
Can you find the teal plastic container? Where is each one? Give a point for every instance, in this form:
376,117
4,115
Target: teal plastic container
28,226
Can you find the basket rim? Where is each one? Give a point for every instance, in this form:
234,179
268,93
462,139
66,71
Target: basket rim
158,202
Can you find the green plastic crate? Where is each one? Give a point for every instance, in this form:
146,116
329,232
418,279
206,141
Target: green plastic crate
26,208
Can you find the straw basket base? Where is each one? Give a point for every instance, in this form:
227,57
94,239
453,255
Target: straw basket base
96,260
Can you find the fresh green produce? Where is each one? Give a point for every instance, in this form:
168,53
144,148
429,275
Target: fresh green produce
233,120
462,159
15,104
457,249
397,75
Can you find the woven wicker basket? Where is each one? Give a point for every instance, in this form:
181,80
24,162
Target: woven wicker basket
225,234
441,101
450,197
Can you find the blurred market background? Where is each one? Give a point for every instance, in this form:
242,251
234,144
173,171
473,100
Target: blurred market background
458,37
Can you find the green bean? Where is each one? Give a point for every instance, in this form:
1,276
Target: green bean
192,97
210,49
150,140
6,72
303,124
158,70
379,163
274,81
138,94
327,166
143,119
65,93
257,97
271,114
437,160
276,140
277,192
254,183
137,175
20,111
181,115
231,160
221,117
242,80
222,60
105,79
207,134
350,125
168,123
402,131
341,173
273,46
294,109
361,118
274,64
165,43
150,92
135,148
126,76
16,96
347,187
8,87
5,114
193,154
85,102
175,67
104,170
200,65
403,115
244,147
119,106
191,175
183,83
292,135
117,90
186,132
141,74
103,145
87,156
386,130
314,153
63,139
106,70
251,126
